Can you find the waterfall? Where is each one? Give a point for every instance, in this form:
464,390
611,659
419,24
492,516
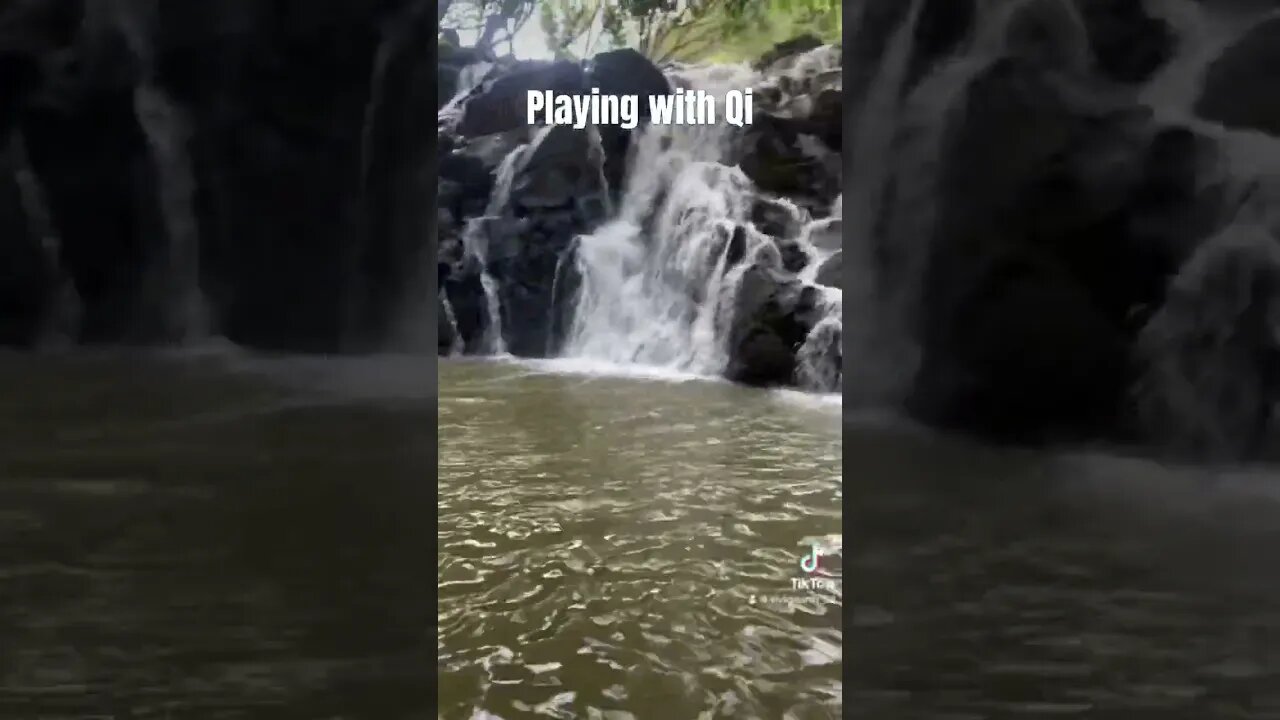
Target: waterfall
167,130
469,78
873,141
61,322
455,336
476,242
660,280
653,280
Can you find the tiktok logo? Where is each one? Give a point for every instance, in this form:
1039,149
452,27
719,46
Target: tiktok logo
809,562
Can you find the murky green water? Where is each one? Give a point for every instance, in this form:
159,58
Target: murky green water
1003,584
232,537
215,538
624,548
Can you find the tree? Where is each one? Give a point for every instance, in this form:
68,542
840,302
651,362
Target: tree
492,21
662,30
687,30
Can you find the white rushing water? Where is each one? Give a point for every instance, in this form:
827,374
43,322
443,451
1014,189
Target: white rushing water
655,290
167,130
476,242
656,286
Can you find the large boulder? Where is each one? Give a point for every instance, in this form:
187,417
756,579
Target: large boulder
1041,255
500,103
773,315
627,72
623,72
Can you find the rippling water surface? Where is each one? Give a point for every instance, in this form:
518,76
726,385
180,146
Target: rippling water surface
227,536
999,584
614,547
215,537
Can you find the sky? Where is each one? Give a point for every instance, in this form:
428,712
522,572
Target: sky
530,42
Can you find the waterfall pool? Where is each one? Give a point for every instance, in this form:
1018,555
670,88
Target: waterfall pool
223,533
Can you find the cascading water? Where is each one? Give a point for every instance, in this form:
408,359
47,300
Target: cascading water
167,131
659,281
476,243
451,321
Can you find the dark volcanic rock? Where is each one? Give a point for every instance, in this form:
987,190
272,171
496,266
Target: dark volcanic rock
623,72
1042,255
556,194
1024,356
774,314
766,333
627,72
466,296
501,103
776,218
1240,87
1128,44
773,158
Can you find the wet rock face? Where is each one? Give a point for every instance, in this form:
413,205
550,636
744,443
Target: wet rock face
1054,261
774,314
1045,256
1240,88
501,103
793,147
626,72
556,193
304,146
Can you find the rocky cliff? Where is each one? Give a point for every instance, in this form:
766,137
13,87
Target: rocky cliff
255,170
1076,230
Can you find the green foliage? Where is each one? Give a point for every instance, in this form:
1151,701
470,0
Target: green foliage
766,23
725,30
